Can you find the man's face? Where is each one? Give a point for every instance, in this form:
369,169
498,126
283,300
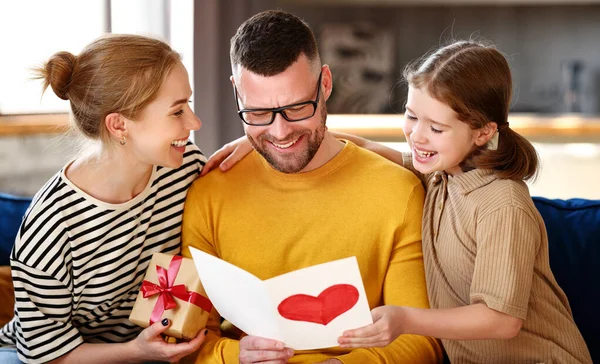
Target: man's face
289,147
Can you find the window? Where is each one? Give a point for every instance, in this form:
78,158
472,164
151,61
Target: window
33,30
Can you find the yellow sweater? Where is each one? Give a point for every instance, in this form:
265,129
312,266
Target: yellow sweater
270,223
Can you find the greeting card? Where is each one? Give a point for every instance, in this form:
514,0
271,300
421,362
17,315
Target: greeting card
306,309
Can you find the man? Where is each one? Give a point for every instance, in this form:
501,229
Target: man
303,197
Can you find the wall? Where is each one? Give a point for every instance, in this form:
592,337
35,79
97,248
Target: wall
27,162
215,22
565,170
535,38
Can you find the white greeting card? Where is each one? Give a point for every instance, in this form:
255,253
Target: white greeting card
306,309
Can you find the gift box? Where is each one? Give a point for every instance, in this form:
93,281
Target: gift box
172,289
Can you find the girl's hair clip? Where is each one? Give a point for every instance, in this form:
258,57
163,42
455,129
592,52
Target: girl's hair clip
492,144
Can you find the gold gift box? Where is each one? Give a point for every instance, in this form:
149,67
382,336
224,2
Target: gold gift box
186,319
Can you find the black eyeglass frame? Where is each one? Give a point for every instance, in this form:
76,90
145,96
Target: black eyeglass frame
280,110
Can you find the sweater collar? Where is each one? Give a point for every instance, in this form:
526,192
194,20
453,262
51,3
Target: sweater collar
331,166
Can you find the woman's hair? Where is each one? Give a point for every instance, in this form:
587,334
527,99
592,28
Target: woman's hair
474,79
115,73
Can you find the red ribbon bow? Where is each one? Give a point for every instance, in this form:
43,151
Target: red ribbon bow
167,291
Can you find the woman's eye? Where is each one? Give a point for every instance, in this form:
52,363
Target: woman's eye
179,113
437,131
410,117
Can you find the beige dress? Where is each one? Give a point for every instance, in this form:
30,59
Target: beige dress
485,242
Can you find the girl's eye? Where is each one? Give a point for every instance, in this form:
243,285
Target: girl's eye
437,131
410,117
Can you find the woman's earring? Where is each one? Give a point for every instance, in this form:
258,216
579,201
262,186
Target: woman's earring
123,140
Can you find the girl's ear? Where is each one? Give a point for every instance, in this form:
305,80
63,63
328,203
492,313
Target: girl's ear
485,133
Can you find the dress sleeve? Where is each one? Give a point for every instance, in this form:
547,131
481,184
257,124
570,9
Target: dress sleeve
408,164
508,240
43,310
199,159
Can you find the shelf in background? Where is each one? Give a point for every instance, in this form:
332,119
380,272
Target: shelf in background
15,125
384,127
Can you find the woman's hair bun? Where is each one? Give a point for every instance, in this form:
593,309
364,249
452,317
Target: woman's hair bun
59,72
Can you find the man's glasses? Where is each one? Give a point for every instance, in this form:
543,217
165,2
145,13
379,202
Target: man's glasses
294,112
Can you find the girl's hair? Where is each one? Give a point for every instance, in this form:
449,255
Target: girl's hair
115,73
474,79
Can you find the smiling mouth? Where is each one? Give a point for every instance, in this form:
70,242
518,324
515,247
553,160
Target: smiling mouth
179,143
424,154
286,145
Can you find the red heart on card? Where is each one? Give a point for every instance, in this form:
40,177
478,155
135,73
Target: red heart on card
322,309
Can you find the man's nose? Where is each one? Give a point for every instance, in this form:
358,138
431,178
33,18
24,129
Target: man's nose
280,128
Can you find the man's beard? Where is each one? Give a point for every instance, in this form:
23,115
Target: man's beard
292,162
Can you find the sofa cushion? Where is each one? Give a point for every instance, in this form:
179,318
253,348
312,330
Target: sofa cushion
12,209
574,238
8,295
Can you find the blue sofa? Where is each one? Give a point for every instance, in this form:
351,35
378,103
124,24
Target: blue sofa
574,238
12,209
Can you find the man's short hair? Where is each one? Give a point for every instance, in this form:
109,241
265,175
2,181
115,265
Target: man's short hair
271,41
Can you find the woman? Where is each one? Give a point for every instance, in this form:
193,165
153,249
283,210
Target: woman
87,238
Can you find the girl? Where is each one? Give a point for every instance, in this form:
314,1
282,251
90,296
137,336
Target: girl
492,294
87,238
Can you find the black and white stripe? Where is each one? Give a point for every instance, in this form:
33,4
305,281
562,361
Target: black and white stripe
78,263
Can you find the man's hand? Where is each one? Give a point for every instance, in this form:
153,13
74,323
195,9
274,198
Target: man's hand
255,349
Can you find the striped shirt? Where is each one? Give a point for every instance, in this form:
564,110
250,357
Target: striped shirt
78,262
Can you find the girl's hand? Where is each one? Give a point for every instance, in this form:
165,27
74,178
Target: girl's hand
150,345
228,155
386,327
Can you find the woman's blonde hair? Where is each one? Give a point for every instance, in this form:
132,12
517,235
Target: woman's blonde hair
115,73
474,79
